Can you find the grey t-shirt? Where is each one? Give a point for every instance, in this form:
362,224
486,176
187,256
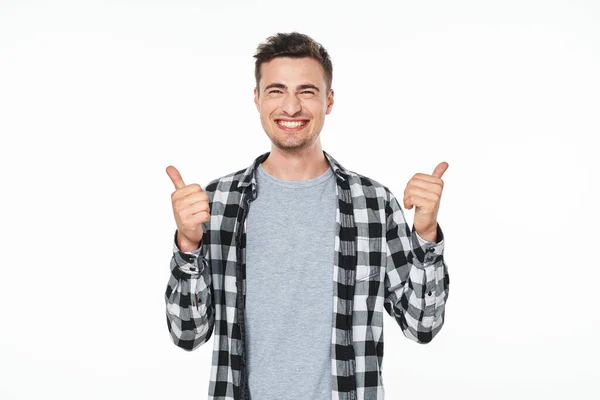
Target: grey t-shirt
289,287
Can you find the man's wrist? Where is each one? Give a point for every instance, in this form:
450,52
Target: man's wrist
430,236
185,245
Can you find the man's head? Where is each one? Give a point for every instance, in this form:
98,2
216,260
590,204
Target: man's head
293,89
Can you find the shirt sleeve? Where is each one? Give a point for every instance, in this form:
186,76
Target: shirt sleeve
417,280
189,304
189,263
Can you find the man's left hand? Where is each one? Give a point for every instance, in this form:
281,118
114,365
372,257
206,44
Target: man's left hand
424,192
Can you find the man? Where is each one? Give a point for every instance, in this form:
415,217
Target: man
293,259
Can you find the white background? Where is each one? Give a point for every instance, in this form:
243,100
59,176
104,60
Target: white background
98,97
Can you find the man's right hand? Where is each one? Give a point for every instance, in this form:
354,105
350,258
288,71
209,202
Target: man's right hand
191,210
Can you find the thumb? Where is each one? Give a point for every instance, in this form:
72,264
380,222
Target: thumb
440,169
175,177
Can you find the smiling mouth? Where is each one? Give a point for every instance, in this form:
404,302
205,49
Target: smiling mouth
291,124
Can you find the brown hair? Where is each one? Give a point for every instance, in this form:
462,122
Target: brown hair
293,45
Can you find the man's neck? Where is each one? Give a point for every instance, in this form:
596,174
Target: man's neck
295,167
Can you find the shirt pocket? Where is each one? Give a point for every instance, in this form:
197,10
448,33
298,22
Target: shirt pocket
368,258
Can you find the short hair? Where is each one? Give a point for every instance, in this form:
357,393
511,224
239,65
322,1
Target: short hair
293,45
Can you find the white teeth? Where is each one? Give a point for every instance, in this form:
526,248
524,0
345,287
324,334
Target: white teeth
290,124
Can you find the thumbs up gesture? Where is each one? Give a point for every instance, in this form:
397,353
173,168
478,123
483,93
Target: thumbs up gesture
424,192
191,210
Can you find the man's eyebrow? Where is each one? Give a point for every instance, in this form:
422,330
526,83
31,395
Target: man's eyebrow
307,86
299,87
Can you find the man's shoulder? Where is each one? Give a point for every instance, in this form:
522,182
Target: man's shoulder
227,184
369,187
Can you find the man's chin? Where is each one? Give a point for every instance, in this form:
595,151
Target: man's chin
290,148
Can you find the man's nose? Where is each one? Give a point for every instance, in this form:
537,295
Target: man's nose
291,104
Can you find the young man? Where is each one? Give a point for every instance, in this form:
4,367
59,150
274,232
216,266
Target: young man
292,260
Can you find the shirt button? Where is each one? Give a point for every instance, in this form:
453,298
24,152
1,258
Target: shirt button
429,294
192,268
431,249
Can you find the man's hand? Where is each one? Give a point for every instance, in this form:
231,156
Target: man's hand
424,192
191,210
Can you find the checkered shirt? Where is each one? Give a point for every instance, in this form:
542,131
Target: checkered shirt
379,264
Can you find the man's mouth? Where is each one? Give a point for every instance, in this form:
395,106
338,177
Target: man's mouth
294,124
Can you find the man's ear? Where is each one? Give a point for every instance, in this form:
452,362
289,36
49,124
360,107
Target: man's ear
329,101
256,99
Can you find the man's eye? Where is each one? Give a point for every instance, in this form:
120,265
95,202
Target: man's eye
275,91
307,91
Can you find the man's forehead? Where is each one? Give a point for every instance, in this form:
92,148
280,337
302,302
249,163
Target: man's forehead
290,71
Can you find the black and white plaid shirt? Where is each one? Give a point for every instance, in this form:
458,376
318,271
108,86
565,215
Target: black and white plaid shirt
380,263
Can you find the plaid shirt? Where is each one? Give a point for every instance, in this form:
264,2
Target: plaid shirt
379,264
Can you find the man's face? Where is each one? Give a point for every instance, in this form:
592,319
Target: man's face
292,101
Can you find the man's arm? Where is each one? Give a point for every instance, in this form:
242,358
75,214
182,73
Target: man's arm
190,311
417,280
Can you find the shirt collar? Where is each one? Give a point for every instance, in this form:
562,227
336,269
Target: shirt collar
249,174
